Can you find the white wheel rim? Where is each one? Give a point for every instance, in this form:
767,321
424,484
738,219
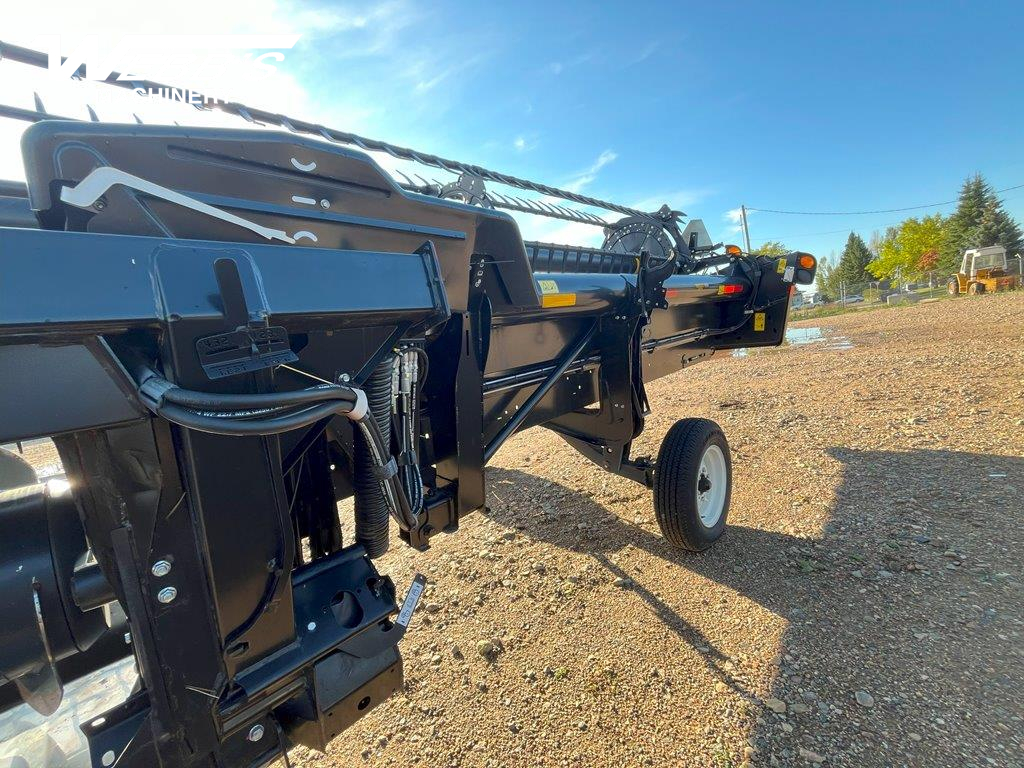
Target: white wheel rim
712,484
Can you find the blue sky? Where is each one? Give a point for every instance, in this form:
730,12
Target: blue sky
797,106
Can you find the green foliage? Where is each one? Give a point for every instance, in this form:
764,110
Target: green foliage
979,221
825,280
910,249
854,261
772,248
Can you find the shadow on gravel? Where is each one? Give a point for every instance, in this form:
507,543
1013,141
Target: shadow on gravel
912,594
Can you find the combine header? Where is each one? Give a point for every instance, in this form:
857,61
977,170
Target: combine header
228,332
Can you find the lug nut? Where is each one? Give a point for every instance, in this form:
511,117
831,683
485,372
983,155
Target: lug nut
160,568
255,733
166,595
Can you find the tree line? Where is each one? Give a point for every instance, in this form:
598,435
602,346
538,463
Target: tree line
917,246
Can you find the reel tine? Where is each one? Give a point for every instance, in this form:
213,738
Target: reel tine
408,181
92,113
137,119
40,107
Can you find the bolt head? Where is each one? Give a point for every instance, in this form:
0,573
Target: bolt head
325,203
167,595
160,568
311,626
256,733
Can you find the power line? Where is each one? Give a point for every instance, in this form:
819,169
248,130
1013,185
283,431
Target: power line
868,213
780,238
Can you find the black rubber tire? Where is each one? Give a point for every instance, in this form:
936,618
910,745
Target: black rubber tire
675,484
975,289
953,287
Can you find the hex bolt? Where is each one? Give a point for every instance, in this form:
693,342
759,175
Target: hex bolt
311,626
167,595
344,377
255,733
160,568
325,203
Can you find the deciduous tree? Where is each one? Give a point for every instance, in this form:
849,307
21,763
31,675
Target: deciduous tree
772,248
911,249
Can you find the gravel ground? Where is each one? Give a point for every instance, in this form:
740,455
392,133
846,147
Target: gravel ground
863,608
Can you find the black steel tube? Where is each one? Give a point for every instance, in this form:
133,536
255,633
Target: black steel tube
90,588
531,402
13,188
371,508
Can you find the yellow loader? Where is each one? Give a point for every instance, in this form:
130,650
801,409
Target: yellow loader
983,271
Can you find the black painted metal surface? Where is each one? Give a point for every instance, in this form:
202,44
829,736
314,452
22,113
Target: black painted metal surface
254,624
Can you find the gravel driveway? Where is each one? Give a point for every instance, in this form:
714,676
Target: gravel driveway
863,608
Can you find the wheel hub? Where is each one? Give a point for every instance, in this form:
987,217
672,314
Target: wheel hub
711,486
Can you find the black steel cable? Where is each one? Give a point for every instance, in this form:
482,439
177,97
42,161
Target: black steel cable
253,115
868,213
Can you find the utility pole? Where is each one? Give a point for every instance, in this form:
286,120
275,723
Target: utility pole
746,230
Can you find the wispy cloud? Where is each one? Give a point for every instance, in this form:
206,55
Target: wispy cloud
561,65
585,177
734,217
428,78
645,52
679,200
526,142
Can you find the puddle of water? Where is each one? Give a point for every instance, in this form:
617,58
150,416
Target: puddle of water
30,739
808,336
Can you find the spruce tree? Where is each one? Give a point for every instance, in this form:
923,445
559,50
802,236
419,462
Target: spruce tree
853,263
979,221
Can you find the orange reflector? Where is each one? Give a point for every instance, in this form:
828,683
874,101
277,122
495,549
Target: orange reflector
733,250
558,300
806,261
729,288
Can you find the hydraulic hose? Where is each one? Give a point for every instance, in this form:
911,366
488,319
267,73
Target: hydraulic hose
371,503
272,413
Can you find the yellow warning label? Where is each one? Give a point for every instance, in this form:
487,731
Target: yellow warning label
780,266
548,286
557,299
759,321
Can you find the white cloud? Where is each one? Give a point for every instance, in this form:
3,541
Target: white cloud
645,53
735,217
680,200
585,177
355,43
519,143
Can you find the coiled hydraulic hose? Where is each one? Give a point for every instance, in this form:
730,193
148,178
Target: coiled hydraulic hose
272,413
371,504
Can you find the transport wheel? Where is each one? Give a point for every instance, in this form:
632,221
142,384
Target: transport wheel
953,288
693,484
